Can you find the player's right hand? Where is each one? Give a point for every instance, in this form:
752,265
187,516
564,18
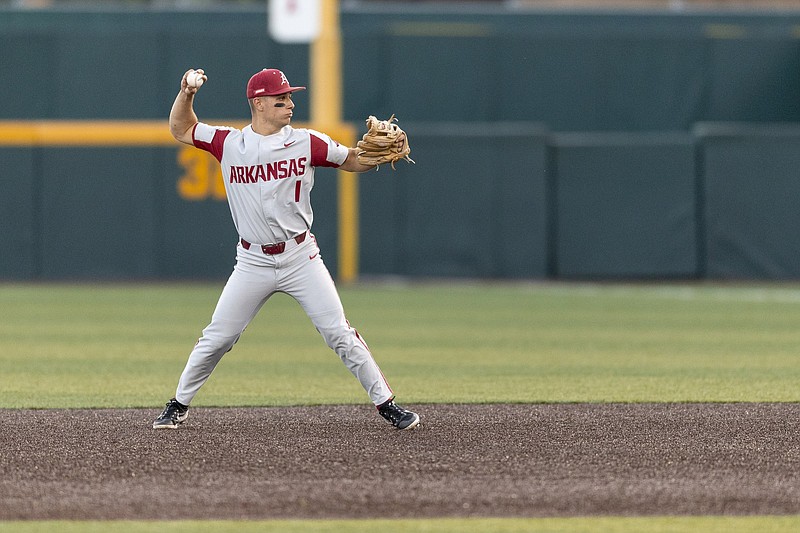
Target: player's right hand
186,87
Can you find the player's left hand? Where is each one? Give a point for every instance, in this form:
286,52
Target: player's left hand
384,142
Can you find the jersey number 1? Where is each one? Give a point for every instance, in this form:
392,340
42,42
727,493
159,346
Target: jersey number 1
297,191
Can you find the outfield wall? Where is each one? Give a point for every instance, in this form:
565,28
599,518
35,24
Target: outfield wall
484,200
590,70
560,145
123,212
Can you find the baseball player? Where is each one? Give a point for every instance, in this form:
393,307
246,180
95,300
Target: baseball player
268,169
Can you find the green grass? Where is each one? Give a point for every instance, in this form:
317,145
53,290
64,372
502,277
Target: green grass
125,345
748,524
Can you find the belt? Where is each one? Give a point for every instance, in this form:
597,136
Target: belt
274,249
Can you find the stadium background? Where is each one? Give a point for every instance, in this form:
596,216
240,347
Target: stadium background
551,142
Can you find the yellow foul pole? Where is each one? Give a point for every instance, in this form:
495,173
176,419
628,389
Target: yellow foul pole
326,114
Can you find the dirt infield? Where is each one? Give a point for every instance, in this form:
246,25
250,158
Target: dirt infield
346,462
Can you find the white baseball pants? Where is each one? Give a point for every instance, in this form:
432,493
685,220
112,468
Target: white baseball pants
299,272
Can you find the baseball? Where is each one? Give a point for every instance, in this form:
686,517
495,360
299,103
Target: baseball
194,78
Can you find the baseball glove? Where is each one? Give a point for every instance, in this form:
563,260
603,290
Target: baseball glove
384,142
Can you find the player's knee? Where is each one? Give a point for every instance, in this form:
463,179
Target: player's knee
340,340
219,343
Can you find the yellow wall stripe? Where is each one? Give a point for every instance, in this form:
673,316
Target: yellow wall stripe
121,132
86,133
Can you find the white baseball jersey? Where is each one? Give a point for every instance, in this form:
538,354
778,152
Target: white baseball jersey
268,179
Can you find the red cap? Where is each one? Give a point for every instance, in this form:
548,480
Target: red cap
269,82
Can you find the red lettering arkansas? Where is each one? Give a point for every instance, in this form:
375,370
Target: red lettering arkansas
278,170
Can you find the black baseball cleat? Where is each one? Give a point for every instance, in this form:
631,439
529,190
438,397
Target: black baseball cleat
399,417
173,416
